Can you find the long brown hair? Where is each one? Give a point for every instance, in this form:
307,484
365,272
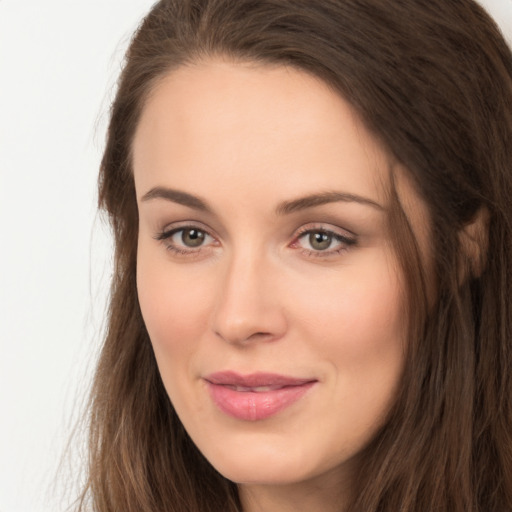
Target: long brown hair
432,79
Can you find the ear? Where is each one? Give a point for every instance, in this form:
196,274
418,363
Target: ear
474,241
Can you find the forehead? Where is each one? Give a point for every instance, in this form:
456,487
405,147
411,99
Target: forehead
246,123
247,137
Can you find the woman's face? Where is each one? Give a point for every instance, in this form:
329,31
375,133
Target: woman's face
266,278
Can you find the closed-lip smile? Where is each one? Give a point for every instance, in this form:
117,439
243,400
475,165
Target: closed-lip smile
255,396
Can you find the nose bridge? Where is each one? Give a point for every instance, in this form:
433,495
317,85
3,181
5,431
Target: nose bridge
247,307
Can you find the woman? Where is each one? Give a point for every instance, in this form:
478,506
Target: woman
310,305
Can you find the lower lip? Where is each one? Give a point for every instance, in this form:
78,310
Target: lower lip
254,405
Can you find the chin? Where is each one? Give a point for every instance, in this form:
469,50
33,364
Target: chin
262,474
266,462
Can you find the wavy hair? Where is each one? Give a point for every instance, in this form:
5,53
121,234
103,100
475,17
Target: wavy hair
432,80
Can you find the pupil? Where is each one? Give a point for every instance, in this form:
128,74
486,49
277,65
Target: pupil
192,237
320,241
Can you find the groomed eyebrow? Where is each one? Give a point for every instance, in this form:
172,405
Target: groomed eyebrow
284,208
313,200
177,196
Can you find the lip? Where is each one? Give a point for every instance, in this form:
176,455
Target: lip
256,396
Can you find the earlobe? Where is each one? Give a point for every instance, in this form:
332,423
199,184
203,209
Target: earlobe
474,241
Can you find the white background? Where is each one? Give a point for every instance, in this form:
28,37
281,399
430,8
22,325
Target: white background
59,60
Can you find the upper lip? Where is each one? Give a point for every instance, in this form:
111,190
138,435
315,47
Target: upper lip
254,380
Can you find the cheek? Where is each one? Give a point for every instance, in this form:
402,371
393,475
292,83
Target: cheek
355,323
358,309
174,306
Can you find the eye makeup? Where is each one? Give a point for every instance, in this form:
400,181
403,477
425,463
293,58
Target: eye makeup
187,240
319,241
312,240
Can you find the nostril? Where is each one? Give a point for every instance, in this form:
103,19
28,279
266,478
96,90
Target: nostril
246,310
241,339
259,335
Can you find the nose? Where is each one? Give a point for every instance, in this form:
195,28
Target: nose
248,306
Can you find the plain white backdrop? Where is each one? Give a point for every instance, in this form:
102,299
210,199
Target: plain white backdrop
59,61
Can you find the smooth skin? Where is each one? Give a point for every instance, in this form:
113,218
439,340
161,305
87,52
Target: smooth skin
235,272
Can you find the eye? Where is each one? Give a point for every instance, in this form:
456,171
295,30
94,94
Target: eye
186,239
320,240
323,242
191,237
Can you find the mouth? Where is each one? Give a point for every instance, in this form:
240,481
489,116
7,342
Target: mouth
256,396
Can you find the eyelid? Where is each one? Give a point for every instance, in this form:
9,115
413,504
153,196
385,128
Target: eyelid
327,228
165,235
345,237
173,227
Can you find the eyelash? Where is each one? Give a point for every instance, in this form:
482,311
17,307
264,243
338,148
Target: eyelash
345,241
166,236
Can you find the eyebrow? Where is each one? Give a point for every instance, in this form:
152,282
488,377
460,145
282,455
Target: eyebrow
312,200
177,196
284,208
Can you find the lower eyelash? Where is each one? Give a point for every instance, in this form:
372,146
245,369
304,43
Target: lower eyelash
327,253
165,235
176,250
347,242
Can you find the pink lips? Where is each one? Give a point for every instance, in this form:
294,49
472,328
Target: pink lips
256,396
